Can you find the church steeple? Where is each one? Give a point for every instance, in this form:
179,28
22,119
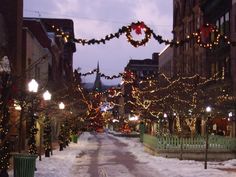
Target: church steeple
98,83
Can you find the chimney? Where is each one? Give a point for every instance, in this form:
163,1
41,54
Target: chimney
155,56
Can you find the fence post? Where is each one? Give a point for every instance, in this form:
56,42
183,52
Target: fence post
206,147
142,131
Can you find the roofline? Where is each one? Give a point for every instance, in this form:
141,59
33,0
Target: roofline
163,50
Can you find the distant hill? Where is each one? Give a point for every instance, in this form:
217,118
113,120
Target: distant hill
87,85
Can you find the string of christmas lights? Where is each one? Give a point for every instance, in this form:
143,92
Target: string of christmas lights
178,96
207,36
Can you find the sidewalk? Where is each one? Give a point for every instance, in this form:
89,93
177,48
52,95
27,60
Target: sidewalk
55,146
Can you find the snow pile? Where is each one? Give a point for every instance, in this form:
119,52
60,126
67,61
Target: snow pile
177,168
61,164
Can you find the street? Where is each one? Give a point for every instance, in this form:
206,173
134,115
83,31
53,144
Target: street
104,155
107,156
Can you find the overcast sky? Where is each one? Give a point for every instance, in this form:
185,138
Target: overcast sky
97,18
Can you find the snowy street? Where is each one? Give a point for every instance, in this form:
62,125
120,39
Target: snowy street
107,156
103,155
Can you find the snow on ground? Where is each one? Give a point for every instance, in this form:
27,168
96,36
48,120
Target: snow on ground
62,162
179,168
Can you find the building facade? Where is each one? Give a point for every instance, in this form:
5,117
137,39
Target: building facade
221,61
11,19
37,55
62,70
189,58
166,62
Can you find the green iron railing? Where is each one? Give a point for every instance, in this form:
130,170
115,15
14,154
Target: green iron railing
216,143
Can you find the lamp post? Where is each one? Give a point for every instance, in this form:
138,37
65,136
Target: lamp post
33,88
61,106
47,127
61,136
208,110
5,71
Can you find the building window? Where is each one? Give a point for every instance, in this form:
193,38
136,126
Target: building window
227,67
218,24
222,25
227,24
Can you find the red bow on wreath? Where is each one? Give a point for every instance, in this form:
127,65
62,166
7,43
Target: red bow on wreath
206,30
138,27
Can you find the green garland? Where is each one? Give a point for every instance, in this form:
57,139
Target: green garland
140,27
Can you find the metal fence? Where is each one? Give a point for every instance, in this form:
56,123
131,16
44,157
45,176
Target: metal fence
216,143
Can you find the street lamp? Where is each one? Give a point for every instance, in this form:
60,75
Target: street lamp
230,114
47,128
61,134
208,110
33,88
47,95
165,115
61,105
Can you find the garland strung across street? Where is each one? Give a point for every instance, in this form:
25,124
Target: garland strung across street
101,74
88,73
112,77
207,36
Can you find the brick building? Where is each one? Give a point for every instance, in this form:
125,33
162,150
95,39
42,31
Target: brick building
189,59
11,19
222,60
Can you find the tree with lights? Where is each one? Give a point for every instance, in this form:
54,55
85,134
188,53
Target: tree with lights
4,128
61,137
32,133
5,101
47,136
66,132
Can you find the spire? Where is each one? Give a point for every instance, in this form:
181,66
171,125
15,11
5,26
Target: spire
98,83
98,70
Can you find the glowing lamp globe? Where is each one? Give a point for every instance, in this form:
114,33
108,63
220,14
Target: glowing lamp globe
61,105
208,109
47,95
33,86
